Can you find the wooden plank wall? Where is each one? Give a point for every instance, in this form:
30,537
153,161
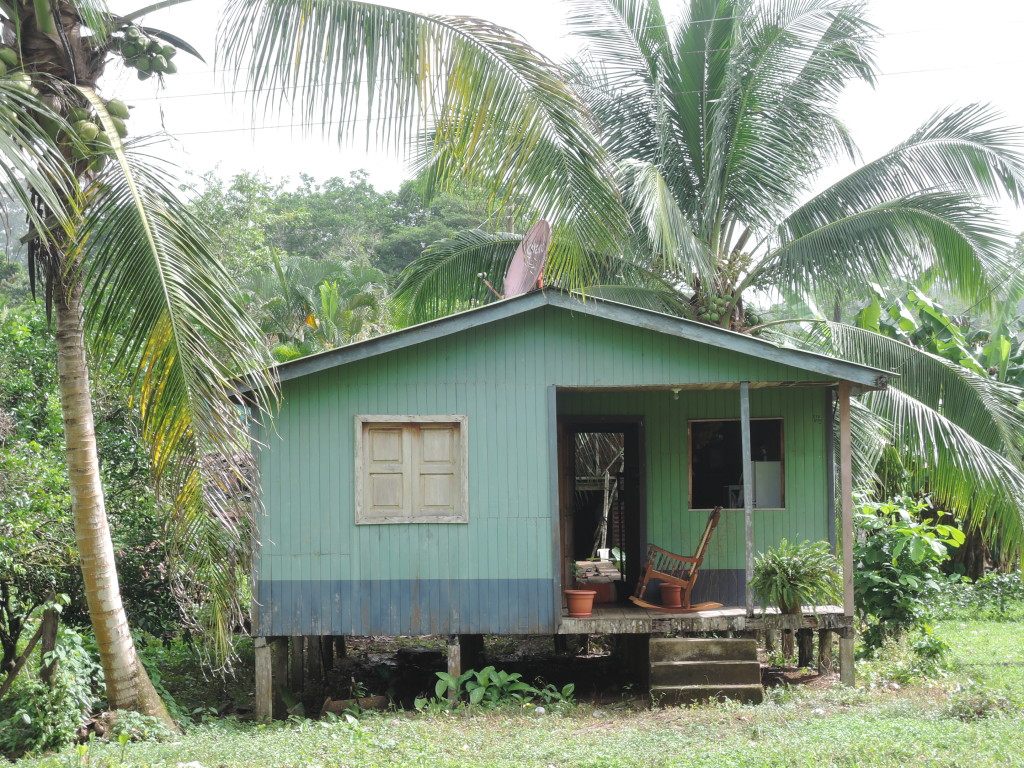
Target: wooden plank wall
320,573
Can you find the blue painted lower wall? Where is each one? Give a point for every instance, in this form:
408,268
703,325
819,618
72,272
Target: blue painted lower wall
435,607
405,607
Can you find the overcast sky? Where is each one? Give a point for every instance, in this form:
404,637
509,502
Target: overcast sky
934,53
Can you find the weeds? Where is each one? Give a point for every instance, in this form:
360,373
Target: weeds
976,702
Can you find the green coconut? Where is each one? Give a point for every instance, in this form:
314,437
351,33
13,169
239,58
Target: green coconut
119,126
9,56
86,130
119,109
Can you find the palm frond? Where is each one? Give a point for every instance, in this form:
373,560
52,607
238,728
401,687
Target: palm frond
985,407
494,110
158,308
894,239
31,162
960,435
980,485
656,299
671,241
773,125
446,277
629,37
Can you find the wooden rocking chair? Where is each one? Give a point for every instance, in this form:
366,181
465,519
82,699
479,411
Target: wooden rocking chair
676,569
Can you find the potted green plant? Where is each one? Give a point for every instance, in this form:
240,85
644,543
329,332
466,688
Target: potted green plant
794,575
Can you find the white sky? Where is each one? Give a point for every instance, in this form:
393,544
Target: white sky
934,53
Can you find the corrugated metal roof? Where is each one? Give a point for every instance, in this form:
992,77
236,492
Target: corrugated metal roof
842,370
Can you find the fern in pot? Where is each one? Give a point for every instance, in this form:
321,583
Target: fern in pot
794,575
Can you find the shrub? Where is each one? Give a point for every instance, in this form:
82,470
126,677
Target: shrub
977,702
897,573
792,575
490,687
993,597
35,716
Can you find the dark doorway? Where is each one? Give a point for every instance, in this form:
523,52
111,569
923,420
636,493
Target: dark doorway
601,493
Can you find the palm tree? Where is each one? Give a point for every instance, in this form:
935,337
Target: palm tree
127,268
716,127
310,305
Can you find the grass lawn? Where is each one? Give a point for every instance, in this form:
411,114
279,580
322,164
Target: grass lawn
970,716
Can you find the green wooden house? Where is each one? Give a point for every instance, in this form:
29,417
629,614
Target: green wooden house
428,481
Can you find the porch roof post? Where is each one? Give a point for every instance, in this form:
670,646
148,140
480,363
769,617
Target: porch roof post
846,639
846,495
748,493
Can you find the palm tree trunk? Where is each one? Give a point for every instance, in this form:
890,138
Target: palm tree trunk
128,684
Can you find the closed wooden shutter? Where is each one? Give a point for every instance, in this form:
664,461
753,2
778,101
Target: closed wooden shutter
411,470
387,491
436,471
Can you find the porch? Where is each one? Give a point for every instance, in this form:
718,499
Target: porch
789,632
630,619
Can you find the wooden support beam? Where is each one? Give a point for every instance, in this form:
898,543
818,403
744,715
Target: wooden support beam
561,644
748,493
846,639
296,666
787,644
279,663
327,653
340,650
825,661
454,661
847,676
264,681
804,647
314,661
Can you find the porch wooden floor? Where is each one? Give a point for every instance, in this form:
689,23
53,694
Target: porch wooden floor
627,619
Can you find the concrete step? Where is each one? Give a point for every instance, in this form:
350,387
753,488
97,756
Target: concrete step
667,695
674,673
699,649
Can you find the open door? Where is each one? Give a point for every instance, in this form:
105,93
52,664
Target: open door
602,494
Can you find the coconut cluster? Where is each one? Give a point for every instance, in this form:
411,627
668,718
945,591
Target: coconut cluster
89,140
144,53
83,135
9,71
713,308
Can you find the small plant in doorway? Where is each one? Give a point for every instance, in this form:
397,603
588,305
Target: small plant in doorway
793,575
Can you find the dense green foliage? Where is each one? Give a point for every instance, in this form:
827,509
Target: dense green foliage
340,221
37,554
897,567
793,575
35,716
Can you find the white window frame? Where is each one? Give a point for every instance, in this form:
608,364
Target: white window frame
409,516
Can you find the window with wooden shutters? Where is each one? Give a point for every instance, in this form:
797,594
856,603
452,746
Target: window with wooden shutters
411,469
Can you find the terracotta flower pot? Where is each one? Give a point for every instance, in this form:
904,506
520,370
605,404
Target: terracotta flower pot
580,602
671,595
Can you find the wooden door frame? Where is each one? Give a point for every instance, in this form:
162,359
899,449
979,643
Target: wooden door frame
632,428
